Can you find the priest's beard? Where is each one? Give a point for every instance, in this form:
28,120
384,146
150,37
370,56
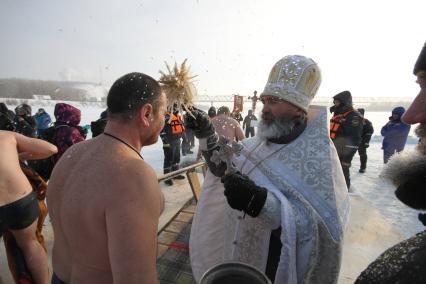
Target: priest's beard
279,127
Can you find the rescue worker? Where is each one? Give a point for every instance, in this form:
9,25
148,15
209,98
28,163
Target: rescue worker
367,132
345,130
171,136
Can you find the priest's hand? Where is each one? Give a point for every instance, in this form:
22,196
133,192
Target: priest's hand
200,123
243,194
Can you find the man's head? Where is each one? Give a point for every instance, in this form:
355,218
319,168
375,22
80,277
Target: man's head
416,112
136,99
212,112
3,108
343,99
223,110
292,84
397,113
361,111
23,110
250,112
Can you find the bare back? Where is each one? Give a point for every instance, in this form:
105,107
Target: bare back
228,127
13,147
104,202
13,183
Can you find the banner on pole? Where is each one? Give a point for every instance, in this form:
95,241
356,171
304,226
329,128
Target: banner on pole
238,103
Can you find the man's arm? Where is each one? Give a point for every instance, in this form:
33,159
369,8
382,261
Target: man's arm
132,222
32,148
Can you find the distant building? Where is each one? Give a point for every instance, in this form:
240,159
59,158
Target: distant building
42,97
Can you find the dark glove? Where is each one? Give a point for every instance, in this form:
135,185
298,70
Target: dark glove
366,145
412,191
243,194
199,123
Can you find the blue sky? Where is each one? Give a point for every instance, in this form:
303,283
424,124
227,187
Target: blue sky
368,47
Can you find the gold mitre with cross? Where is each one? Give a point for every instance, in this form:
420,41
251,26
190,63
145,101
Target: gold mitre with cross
295,79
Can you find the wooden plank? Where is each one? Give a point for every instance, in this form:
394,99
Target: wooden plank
194,183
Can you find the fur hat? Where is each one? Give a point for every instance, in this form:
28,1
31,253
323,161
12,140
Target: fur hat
421,61
295,79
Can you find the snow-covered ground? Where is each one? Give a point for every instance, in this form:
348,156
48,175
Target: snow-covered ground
369,185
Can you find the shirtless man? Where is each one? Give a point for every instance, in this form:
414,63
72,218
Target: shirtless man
226,126
104,199
18,202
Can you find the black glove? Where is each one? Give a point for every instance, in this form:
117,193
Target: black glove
366,145
200,123
412,192
243,194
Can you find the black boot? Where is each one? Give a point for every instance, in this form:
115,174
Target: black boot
169,182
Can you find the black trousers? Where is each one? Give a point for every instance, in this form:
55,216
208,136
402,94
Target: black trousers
345,161
249,132
171,157
362,151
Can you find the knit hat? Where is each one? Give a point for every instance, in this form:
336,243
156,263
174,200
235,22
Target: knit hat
361,111
295,79
421,61
399,110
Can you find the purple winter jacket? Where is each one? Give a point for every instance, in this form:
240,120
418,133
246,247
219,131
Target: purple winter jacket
68,132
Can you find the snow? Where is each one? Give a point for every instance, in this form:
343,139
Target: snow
369,185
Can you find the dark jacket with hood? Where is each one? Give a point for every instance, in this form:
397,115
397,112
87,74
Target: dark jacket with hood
367,130
395,132
348,136
7,118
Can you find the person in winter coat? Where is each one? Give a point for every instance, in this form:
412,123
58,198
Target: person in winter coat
395,134
406,261
97,127
212,112
345,130
248,125
43,120
367,131
7,118
24,122
171,136
67,129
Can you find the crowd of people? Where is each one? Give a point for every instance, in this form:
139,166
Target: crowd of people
265,204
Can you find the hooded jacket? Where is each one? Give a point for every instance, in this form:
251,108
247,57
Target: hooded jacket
67,130
348,135
395,132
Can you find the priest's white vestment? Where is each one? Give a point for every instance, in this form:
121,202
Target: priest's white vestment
307,197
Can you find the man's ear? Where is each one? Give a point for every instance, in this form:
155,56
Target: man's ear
146,114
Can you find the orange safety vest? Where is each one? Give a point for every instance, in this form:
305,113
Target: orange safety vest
177,124
335,123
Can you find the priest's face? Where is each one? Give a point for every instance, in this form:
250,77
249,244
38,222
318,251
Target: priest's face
278,118
416,113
